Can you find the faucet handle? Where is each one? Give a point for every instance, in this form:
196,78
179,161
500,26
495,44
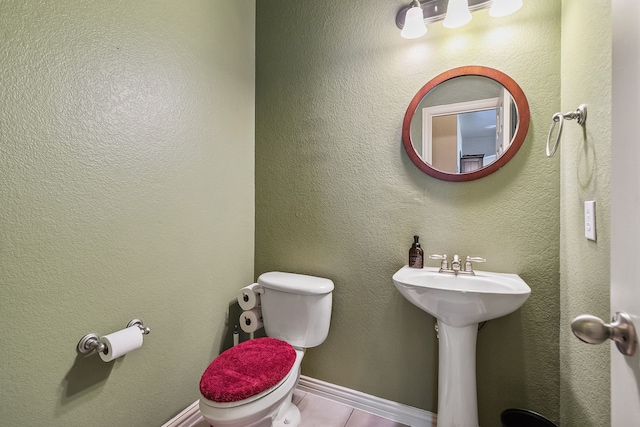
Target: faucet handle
444,265
468,267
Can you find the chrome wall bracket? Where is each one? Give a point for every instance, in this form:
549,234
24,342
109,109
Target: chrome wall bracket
137,322
593,330
89,343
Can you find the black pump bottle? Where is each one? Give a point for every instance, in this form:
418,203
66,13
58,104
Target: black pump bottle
416,255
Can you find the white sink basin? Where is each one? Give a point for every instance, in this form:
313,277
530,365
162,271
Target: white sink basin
460,303
462,300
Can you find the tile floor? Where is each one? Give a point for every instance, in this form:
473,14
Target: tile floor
320,412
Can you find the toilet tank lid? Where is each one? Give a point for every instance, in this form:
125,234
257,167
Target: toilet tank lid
295,283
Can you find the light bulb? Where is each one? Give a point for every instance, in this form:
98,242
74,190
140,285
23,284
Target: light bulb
414,26
504,7
457,14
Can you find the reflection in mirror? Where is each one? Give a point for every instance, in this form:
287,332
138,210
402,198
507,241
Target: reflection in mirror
463,122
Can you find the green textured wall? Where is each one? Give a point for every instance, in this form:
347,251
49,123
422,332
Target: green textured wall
126,162
336,195
585,171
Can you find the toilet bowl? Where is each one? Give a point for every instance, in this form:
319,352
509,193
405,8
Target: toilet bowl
251,385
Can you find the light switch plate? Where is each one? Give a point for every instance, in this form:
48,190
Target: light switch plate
590,220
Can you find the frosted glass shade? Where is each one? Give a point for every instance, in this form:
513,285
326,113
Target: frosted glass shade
414,26
504,7
457,14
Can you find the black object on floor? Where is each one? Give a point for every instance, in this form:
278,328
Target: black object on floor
524,418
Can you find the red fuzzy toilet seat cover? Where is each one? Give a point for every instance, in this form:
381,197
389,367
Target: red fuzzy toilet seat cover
247,369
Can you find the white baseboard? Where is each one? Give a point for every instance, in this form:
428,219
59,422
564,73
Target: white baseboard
394,411
190,417
365,402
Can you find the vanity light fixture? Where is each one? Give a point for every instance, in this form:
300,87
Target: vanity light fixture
414,25
455,13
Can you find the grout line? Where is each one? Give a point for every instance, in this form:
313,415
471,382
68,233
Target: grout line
350,415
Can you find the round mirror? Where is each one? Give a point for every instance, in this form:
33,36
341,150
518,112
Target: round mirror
465,123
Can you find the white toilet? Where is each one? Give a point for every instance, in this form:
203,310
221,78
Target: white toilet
251,384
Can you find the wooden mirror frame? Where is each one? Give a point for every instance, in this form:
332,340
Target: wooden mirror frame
518,138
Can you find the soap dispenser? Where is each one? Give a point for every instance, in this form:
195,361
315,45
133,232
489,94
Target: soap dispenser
416,254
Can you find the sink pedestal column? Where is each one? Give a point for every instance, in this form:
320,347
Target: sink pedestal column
457,395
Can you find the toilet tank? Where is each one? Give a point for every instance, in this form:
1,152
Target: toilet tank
296,308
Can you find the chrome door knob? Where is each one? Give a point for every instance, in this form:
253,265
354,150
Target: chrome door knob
593,330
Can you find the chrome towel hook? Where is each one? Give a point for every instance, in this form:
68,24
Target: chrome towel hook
580,115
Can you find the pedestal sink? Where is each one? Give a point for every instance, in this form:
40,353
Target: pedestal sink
459,303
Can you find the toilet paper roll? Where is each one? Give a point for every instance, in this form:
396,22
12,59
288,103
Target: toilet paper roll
120,343
251,320
248,297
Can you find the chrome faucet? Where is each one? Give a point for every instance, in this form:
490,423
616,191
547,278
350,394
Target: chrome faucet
456,265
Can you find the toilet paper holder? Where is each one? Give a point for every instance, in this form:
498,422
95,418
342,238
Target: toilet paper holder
91,342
